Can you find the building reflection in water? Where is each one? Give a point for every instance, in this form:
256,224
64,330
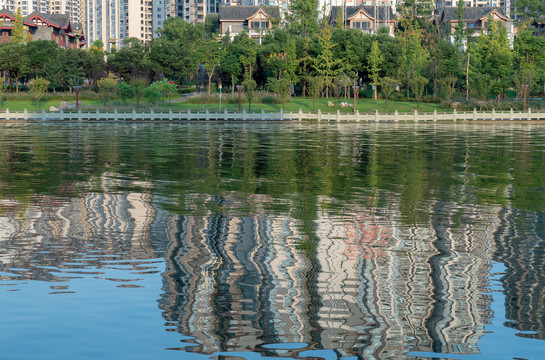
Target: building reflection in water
359,281
53,238
369,287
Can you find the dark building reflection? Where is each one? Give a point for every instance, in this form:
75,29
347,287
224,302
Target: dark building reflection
520,245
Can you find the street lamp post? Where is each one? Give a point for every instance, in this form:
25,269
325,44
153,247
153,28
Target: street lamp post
77,88
524,92
219,86
356,89
239,88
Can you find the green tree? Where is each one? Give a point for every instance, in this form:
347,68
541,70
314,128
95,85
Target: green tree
167,88
413,14
282,87
492,54
125,91
444,66
315,87
375,62
153,93
529,48
339,18
138,85
66,69
529,9
93,63
132,60
108,87
14,60
247,50
18,35
38,88
40,53
338,86
387,86
460,28
482,84
211,24
526,75
175,52
326,64
448,85
231,67
529,57
303,16
419,84
304,60
249,87
211,53
416,58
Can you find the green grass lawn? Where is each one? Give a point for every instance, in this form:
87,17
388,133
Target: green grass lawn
305,104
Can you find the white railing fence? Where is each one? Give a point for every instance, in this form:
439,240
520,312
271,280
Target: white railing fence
319,116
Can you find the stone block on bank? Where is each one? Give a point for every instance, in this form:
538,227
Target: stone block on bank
73,105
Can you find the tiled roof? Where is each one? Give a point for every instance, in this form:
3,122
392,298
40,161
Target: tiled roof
244,12
7,12
470,13
381,13
60,20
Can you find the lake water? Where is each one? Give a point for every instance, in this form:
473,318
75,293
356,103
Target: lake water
272,241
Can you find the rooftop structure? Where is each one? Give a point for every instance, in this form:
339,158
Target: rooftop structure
43,26
368,19
256,20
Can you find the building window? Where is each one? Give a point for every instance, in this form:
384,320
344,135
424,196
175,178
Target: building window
260,24
363,25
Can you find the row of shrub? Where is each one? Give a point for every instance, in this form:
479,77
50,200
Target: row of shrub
259,97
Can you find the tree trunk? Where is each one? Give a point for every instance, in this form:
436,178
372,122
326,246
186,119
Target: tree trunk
210,74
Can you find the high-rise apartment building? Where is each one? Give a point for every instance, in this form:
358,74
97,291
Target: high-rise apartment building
505,5
70,7
105,20
26,6
113,21
161,10
195,11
